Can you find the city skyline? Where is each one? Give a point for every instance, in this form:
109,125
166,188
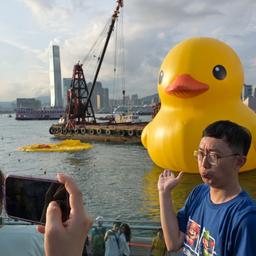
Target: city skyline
248,96
150,31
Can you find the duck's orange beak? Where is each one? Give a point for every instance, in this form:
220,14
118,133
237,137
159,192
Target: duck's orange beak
185,86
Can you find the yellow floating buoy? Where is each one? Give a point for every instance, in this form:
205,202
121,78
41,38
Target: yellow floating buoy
64,146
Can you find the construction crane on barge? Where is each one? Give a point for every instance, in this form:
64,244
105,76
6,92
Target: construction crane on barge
79,121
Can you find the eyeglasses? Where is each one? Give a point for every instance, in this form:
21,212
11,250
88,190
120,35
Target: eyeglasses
212,157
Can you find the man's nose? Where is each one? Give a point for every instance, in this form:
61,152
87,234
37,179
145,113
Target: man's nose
205,163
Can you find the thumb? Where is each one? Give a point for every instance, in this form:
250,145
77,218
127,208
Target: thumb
53,216
179,175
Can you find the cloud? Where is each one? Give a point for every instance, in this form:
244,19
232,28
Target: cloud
162,24
19,89
50,14
151,29
18,45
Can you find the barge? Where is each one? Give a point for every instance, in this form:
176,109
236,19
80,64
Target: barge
105,132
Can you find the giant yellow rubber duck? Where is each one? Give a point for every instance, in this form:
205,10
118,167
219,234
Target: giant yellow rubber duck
200,81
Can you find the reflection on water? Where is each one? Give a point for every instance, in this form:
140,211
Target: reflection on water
111,180
151,203
179,194
117,181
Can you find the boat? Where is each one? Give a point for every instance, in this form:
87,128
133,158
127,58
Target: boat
39,114
120,118
79,121
127,118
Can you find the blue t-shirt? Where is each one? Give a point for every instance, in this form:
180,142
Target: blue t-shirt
218,229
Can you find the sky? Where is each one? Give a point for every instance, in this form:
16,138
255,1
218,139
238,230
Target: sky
150,28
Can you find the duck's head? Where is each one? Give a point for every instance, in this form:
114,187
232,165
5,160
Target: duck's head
199,71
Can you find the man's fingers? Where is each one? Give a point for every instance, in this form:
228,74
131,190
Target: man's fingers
167,173
53,216
75,195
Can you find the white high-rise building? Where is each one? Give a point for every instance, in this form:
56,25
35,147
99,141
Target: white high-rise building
55,77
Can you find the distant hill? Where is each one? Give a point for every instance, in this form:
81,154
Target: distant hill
150,99
7,106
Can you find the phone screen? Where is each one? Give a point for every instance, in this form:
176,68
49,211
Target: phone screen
27,198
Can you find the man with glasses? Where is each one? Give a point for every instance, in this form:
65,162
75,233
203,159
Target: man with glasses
218,217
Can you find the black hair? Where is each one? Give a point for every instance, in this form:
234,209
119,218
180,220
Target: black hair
236,136
117,223
127,231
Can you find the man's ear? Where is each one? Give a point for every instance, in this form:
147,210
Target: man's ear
241,160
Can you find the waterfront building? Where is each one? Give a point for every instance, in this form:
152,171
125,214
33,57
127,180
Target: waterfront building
99,98
28,103
66,85
248,90
150,100
105,100
134,99
55,77
7,106
143,106
250,101
126,100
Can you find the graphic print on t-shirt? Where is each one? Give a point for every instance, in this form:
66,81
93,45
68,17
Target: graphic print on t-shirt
207,244
198,242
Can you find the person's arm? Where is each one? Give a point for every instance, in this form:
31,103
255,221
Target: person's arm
66,239
173,237
107,235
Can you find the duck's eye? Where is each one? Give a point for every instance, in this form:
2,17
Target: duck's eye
161,76
219,72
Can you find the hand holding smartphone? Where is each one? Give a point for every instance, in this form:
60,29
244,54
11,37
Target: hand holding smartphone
68,238
27,198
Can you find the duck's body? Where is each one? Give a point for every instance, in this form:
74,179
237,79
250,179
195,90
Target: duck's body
192,98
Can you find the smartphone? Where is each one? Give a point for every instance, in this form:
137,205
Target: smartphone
27,198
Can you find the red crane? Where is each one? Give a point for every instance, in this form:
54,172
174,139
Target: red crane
79,106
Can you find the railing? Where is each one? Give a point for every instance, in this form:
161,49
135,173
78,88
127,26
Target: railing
142,233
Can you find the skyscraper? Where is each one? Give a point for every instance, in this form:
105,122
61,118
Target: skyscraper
66,82
100,97
55,77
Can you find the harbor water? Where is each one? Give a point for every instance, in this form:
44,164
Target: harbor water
117,181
